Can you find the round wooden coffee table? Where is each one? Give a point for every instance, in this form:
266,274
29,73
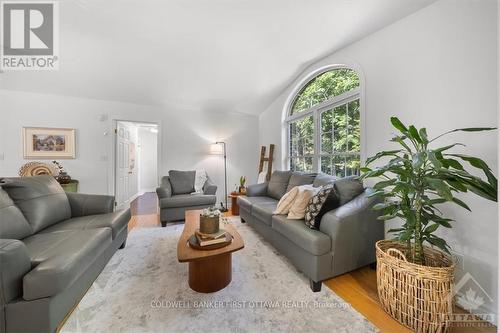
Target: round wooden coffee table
209,270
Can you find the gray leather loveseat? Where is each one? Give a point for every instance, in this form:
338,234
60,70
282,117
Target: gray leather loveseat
347,235
175,195
53,245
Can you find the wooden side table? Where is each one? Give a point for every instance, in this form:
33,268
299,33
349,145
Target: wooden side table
235,208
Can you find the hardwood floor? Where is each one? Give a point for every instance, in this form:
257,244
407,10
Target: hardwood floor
358,288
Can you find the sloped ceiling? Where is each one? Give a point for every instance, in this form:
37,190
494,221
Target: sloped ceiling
224,55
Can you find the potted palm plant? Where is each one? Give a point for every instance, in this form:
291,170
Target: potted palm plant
415,280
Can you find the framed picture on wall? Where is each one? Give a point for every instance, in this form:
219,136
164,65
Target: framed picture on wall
49,143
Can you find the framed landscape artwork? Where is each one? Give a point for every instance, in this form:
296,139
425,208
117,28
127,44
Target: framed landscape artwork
49,143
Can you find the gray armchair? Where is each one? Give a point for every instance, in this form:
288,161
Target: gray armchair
176,195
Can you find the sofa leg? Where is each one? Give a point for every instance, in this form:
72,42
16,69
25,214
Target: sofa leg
123,244
373,265
315,286
164,223
242,220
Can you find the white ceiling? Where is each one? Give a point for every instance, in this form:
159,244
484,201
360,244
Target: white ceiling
225,55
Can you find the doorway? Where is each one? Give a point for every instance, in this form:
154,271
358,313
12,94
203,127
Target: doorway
136,160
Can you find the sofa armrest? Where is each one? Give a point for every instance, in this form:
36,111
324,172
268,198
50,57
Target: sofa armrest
15,263
90,204
209,188
354,229
165,189
257,190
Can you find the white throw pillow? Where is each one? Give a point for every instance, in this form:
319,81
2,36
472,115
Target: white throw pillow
199,181
286,202
298,208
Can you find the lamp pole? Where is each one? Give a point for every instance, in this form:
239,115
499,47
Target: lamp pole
225,173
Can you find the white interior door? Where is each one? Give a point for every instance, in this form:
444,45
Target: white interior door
125,165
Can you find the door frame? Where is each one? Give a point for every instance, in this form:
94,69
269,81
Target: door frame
113,172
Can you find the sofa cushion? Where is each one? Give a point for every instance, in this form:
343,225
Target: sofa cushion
300,178
41,199
187,200
264,211
116,221
182,181
312,241
60,258
348,188
247,202
13,224
322,179
278,184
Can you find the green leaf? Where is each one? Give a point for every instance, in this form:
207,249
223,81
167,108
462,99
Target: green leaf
440,150
383,184
449,162
414,134
423,135
382,154
435,162
480,164
440,186
439,242
468,129
399,125
461,203
430,229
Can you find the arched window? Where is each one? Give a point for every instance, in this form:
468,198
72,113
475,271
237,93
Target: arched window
323,124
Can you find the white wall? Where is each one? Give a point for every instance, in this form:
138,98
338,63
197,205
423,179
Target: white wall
437,69
148,157
184,137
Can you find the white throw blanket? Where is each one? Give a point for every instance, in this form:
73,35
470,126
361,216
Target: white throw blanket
200,179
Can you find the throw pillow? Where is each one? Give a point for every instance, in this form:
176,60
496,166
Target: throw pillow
278,183
348,188
286,202
200,179
315,205
300,178
182,181
298,208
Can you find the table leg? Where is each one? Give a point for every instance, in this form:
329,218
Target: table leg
211,274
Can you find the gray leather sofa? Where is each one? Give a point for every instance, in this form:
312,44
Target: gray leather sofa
347,235
53,245
175,195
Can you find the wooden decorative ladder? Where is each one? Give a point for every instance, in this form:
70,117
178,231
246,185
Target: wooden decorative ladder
268,159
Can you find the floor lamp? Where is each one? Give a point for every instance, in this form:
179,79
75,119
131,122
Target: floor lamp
216,149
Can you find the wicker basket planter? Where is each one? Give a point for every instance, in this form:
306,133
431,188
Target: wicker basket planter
419,297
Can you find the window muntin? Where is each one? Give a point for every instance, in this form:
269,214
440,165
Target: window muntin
323,87
324,125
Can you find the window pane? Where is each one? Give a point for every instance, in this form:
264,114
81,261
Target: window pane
339,166
326,165
324,86
301,164
302,137
327,143
352,165
353,130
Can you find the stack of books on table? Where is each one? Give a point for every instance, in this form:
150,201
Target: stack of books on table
210,239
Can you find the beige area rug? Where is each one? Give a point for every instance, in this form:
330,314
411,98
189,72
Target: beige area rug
144,289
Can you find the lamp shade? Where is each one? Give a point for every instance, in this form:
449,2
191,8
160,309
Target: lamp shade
216,149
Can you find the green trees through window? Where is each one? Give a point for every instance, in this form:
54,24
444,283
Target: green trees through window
330,102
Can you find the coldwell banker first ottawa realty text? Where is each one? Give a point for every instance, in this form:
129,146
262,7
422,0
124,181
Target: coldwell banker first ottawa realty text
29,35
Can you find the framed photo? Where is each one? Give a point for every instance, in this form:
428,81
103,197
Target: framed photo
49,143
